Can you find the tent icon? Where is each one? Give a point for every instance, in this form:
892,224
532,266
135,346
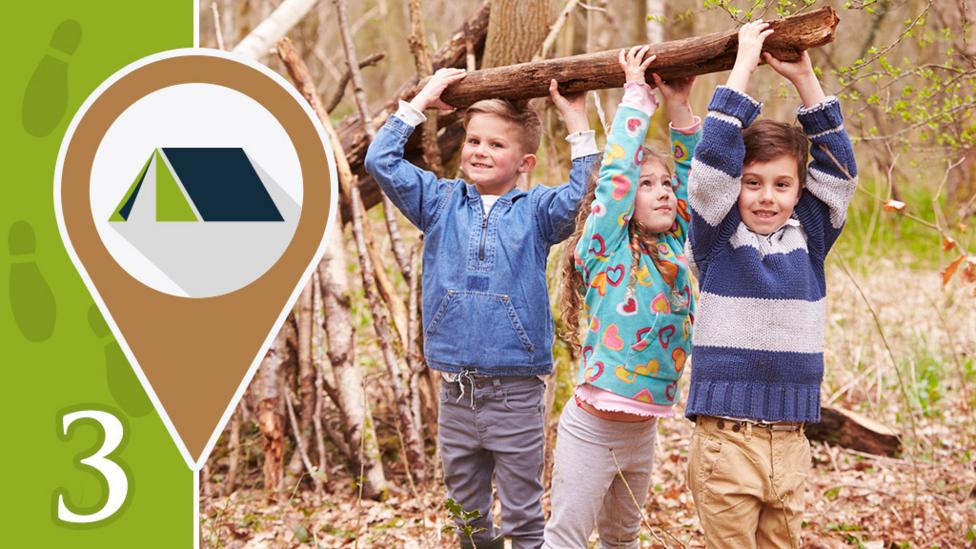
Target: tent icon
200,184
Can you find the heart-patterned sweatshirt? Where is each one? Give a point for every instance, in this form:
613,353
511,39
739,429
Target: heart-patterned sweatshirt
637,339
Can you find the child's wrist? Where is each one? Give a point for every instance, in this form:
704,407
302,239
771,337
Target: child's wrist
576,122
680,115
419,102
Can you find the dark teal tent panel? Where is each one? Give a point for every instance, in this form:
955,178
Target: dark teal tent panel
222,184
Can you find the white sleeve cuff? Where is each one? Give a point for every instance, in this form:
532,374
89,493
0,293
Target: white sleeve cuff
582,144
409,114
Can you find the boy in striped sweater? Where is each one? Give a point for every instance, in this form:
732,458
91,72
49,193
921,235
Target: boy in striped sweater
762,224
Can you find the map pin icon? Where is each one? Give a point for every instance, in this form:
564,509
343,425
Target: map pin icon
46,96
193,191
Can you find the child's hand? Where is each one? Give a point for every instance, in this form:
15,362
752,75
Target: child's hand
676,94
571,107
430,95
633,63
801,74
751,38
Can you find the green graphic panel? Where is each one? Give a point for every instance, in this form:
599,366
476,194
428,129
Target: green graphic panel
171,203
117,214
55,361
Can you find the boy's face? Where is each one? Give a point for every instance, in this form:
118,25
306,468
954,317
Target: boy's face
769,192
655,204
492,157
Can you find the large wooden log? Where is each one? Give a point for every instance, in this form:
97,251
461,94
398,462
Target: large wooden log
852,430
691,56
710,53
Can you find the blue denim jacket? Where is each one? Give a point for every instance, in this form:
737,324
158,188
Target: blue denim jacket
485,301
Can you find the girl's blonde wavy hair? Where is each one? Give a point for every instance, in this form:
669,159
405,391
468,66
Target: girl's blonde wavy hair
573,286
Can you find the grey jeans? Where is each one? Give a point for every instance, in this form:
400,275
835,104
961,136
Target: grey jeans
587,489
496,427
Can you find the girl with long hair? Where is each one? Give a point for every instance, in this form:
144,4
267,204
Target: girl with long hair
629,281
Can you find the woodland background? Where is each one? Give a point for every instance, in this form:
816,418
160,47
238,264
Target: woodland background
334,442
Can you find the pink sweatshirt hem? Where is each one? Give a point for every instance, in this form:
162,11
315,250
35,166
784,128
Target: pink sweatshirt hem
606,401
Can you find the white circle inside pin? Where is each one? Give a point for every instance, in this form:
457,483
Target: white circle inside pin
196,190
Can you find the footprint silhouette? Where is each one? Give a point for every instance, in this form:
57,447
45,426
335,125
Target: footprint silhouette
122,382
31,299
46,96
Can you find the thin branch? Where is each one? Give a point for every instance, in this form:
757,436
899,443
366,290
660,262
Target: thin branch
633,498
316,479
340,89
216,21
359,92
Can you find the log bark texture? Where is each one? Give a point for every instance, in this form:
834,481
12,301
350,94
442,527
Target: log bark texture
852,430
690,56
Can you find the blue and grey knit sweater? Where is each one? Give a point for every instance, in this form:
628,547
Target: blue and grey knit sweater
759,328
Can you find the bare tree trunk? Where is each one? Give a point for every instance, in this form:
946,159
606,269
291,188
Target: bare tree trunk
318,344
653,27
340,335
306,378
509,42
267,408
306,367
262,39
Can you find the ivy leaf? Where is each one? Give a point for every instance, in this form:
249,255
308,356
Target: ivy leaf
950,270
892,205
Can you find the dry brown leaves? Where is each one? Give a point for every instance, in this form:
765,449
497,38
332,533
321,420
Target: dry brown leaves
853,499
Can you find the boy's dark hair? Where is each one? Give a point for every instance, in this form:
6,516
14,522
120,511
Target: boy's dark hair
519,113
767,140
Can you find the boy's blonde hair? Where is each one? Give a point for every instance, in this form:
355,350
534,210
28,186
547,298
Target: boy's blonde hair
521,114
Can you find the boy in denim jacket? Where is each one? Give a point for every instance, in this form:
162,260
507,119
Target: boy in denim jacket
487,324
762,224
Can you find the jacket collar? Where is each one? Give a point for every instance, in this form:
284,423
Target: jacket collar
471,192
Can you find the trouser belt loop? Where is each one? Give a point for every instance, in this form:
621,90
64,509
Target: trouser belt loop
748,432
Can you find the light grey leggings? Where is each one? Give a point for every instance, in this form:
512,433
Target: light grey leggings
587,490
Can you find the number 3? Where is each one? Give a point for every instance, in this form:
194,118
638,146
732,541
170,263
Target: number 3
118,484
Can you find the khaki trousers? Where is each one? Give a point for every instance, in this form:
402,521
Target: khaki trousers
748,483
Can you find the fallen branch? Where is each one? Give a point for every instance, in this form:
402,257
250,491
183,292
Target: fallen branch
852,430
262,39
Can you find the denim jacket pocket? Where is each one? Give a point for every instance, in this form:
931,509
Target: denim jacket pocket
477,329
